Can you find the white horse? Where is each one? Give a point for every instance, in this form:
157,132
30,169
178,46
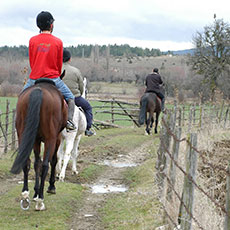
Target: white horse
72,142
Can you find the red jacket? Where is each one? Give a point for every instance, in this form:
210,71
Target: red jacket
45,55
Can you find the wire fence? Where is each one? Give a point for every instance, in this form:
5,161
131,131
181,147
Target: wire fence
8,139
182,187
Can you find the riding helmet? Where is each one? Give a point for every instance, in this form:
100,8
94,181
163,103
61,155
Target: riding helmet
66,55
44,20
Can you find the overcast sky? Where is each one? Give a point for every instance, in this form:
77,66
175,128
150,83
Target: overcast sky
162,24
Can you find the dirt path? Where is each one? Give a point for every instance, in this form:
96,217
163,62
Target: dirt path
88,218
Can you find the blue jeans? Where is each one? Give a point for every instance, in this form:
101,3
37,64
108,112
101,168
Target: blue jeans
59,84
84,104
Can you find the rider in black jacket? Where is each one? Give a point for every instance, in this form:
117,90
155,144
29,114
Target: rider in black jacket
153,82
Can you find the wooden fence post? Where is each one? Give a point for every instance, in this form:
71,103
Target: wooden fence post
183,115
227,205
226,116
186,206
162,161
172,168
194,114
112,110
13,130
179,118
221,111
174,115
6,126
201,117
190,119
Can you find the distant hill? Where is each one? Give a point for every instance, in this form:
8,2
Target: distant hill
183,52
179,52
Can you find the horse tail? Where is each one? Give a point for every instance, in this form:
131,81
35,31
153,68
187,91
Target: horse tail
144,101
30,131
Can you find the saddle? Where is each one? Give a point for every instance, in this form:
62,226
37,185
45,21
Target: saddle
45,80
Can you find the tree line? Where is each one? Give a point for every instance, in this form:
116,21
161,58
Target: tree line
86,51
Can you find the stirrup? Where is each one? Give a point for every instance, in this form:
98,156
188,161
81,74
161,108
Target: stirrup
70,126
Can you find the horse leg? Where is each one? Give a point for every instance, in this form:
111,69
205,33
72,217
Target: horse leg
25,201
52,188
75,154
37,168
69,147
147,124
156,123
48,152
60,156
151,123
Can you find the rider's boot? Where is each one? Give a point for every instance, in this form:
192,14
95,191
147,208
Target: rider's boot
70,124
89,133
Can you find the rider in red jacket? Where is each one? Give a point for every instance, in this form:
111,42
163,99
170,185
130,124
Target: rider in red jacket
45,56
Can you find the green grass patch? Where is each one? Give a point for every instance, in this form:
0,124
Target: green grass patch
116,141
138,208
12,103
56,217
91,172
6,161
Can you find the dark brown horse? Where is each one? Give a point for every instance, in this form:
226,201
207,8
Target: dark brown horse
41,114
149,104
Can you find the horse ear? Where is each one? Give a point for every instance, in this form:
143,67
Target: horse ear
63,74
85,81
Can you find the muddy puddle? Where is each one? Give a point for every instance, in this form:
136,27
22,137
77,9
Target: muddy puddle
102,188
118,164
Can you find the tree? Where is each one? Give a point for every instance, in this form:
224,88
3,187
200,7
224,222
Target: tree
212,52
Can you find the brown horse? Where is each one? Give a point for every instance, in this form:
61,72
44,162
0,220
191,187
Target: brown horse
41,114
149,104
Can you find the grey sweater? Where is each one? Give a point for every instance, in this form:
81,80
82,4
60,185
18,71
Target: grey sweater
73,79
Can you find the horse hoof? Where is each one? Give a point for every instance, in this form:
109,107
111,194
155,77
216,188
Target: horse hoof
35,198
74,172
40,206
61,177
51,191
25,201
25,204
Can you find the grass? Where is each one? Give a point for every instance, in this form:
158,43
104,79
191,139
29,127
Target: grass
91,172
5,164
3,102
115,141
138,208
59,209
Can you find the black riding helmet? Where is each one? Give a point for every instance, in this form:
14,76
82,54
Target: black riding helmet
66,55
44,20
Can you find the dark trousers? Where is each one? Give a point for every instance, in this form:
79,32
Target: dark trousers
84,104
